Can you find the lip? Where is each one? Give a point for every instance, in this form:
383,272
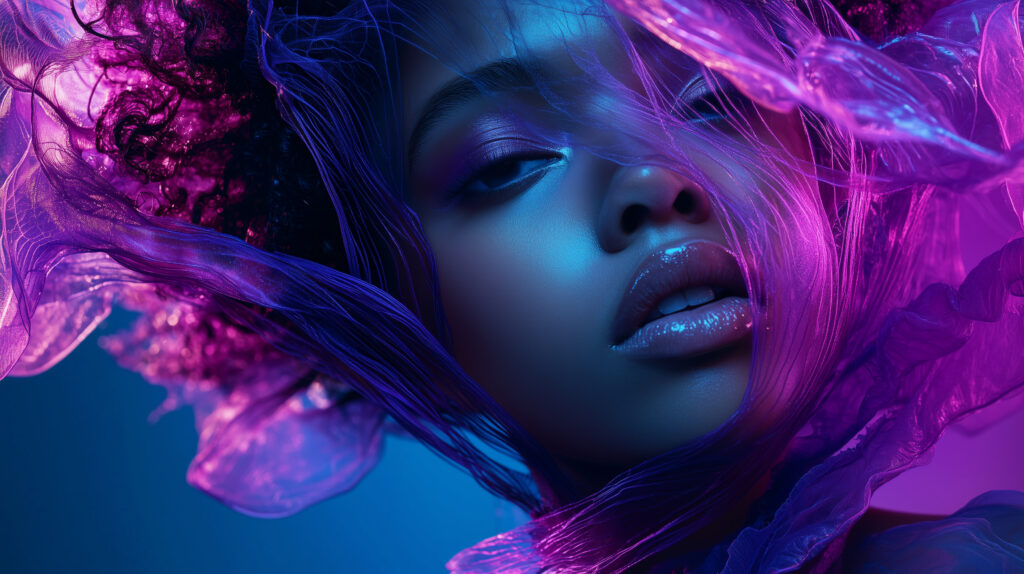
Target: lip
668,270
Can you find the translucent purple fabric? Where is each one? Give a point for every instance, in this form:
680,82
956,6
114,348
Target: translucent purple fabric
949,351
938,358
871,338
113,163
986,535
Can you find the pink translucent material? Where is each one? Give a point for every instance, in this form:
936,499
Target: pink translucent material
274,436
953,349
291,365
269,444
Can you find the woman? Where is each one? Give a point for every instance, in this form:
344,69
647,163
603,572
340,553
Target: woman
695,293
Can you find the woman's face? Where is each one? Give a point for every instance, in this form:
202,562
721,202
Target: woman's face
576,288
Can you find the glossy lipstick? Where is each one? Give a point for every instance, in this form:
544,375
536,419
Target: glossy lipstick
692,331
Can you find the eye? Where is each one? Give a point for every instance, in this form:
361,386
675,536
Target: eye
508,171
505,176
700,103
706,109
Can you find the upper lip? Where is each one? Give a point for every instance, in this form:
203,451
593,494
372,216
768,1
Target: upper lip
670,269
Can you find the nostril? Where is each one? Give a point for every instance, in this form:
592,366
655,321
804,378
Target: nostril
685,202
632,217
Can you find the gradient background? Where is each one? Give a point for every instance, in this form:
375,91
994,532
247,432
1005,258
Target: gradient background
88,485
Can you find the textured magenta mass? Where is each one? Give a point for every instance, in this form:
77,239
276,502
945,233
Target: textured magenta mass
229,171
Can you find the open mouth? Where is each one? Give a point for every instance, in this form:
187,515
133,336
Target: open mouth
684,300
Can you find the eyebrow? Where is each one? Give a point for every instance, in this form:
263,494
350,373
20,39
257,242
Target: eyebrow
506,74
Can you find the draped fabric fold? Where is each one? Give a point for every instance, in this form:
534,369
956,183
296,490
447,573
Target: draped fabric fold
131,175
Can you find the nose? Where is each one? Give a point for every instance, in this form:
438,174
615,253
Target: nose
644,196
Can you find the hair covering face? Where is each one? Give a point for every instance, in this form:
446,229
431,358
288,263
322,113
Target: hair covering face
124,178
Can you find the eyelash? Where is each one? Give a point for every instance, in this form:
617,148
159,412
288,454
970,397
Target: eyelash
531,162
721,108
704,102
528,161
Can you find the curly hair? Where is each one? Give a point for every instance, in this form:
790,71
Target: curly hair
233,171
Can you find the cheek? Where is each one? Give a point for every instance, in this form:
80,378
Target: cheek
515,294
530,299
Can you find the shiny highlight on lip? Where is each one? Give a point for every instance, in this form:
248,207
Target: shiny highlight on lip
692,332
670,270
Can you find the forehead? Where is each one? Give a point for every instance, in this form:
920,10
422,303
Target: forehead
463,33
455,38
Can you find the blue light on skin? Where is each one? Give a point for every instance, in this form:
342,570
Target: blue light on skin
532,282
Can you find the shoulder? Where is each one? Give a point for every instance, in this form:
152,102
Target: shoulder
986,535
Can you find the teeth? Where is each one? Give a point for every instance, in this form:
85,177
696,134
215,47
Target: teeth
673,303
699,295
688,298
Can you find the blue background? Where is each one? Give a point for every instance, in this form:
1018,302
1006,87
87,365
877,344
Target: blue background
89,485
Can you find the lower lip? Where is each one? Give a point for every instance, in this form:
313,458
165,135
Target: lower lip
691,333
